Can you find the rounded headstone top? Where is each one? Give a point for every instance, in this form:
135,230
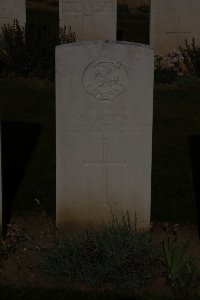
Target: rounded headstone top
105,43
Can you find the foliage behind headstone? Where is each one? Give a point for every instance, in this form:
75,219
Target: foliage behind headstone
30,50
191,54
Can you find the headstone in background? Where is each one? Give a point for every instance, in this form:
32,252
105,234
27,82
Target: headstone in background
89,19
12,9
104,108
172,22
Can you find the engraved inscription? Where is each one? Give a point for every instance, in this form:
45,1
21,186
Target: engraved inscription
103,122
87,7
105,79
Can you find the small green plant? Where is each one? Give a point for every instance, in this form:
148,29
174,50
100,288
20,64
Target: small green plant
168,68
117,255
182,272
191,54
12,47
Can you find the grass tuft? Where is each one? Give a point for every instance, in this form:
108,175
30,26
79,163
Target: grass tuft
118,256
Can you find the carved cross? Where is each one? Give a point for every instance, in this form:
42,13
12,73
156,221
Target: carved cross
178,33
105,164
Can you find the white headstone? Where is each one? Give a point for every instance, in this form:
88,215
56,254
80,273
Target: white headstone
89,19
104,107
12,9
172,22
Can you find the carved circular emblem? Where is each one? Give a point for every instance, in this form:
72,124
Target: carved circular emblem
105,79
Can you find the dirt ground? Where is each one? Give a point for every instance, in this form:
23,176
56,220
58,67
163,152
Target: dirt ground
21,267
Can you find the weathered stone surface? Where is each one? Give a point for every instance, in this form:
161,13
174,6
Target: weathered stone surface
104,107
89,19
12,9
173,21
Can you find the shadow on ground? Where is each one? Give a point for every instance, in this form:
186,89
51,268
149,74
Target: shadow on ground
18,142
